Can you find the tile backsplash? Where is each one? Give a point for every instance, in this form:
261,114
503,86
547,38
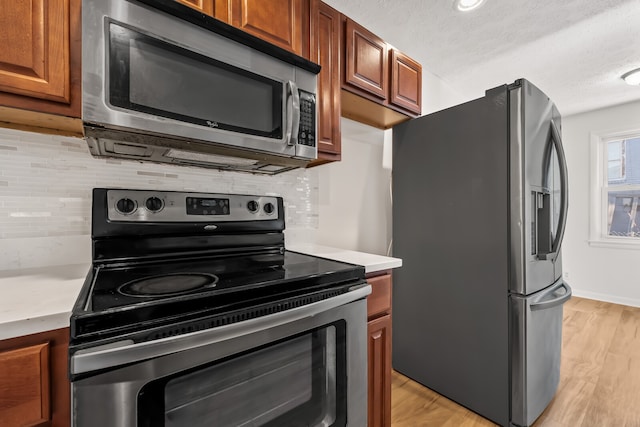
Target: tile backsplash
46,183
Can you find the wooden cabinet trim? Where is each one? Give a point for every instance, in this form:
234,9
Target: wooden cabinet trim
364,110
406,82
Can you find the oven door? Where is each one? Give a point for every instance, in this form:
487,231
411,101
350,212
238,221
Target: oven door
302,367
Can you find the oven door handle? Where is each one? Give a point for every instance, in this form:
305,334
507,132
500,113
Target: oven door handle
125,352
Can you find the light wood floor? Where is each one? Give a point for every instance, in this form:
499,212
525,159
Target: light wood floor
599,377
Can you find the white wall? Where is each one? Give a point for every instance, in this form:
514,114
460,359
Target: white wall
438,95
354,204
354,194
608,274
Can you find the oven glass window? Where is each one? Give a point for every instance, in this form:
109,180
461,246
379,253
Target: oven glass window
155,77
296,382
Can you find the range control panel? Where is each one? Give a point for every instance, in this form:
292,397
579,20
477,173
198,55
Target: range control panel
171,206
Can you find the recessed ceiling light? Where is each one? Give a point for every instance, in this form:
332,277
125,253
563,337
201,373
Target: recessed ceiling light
632,77
467,5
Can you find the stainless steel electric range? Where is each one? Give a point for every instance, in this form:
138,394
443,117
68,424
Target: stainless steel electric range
194,314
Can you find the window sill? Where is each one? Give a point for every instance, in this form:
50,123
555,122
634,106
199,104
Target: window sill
615,244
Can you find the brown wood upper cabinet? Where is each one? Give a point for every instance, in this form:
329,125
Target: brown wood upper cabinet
325,50
388,83
406,82
280,22
366,62
284,23
40,56
204,6
219,9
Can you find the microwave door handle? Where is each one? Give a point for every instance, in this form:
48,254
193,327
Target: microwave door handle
293,113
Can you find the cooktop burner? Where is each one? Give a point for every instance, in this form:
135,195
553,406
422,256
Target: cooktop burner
168,281
168,284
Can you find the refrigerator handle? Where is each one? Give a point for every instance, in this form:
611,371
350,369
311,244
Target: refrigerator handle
543,302
564,196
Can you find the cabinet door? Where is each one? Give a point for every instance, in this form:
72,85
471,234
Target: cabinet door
40,56
406,82
366,61
34,386
24,386
325,50
219,9
280,22
379,376
204,6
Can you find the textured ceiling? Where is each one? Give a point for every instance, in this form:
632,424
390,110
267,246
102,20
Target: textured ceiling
574,50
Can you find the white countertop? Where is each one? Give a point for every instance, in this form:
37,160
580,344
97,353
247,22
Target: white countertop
371,262
40,299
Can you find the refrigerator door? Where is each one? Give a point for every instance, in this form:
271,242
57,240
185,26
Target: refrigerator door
536,341
450,216
538,189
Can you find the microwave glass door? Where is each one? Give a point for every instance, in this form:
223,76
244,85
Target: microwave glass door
152,76
299,381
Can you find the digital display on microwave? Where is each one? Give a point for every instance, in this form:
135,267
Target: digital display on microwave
202,206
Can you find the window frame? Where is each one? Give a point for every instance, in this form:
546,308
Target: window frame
599,189
623,159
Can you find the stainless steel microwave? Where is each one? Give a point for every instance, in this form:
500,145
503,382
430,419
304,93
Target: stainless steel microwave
162,82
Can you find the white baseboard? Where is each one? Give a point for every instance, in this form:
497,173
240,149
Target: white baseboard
633,302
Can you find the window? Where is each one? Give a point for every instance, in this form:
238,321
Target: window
615,160
616,167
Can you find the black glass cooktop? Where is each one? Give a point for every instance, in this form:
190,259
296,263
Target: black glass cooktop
138,299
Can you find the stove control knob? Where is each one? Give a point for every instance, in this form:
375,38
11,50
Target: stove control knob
253,206
269,208
126,206
154,204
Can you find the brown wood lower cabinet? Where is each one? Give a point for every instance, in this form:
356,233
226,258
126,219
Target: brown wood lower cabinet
379,351
34,386
379,342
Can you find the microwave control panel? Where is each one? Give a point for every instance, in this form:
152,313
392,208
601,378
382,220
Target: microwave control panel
307,131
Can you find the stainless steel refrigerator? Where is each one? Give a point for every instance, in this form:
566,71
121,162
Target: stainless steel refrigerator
479,212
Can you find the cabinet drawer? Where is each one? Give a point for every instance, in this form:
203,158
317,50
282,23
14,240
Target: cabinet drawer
379,302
